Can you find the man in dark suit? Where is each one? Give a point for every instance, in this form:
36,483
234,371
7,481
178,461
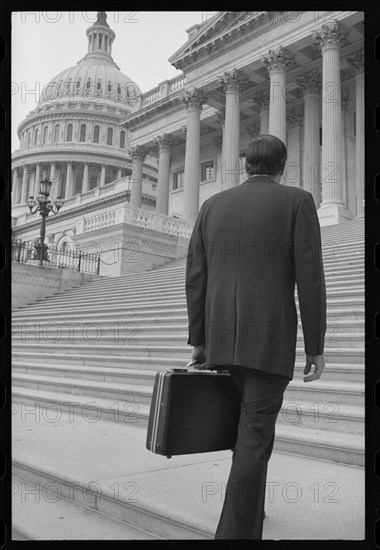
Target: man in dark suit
249,246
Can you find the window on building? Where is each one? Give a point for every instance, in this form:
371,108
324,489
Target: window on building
207,170
82,136
69,132
109,136
178,180
122,139
44,135
96,134
56,133
35,136
93,172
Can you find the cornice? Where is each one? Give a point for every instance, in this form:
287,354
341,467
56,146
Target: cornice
139,116
25,155
243,32
113,199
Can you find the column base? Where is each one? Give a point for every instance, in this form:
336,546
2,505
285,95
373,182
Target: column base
331,214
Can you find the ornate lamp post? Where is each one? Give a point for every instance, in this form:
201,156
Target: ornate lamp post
44,206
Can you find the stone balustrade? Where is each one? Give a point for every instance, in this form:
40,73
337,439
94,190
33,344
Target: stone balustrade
136,216
159,92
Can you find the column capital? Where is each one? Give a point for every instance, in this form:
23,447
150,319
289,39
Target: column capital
356,61
331,35
165,142
277,60
194,98
138,152
261,97
220,116
253,129
233,81
295,116
310,83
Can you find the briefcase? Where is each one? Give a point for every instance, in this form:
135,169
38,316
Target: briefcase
193,412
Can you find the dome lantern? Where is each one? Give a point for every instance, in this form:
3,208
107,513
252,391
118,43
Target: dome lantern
100,37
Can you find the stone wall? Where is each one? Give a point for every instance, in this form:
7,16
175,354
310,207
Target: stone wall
31,282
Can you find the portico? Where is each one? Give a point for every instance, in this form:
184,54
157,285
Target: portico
292,90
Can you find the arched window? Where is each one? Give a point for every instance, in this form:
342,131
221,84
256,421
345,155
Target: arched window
96,134
69,132
35,136
109,136
82,136
122,139
44,135
56,133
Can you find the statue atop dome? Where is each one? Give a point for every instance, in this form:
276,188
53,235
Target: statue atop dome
102,18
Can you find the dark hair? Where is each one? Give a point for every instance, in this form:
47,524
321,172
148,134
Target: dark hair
265,154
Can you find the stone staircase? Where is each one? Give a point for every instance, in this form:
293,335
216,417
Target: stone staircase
94,351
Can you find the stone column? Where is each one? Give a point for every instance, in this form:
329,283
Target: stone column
102,175
138,154
310,86
332,208
344,102
69,191
230,170
293,168
37,179
118,177
164,143
14,186
24,185
86,179
262,100
193,101
357,63
276,63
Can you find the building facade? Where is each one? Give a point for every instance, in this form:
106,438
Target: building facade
136,167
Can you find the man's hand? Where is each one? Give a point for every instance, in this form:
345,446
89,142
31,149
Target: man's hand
199,355
319,362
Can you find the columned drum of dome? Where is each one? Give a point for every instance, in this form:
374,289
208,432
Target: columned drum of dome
76,126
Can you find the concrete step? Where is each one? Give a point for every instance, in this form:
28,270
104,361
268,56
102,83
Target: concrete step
62,518
335,392
132,333
143,369
43,407
335,299
330,404
170,291
337,333
348,311
110,354
324,416
132,393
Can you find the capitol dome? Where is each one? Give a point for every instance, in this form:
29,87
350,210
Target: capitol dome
96,77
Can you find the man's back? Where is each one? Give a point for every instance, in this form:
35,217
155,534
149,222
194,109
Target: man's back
257,238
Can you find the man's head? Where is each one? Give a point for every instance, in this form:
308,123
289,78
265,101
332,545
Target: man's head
266,154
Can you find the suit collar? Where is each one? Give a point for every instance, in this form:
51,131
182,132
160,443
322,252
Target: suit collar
259,178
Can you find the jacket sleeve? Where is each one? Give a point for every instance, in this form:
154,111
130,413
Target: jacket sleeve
309,275
196,284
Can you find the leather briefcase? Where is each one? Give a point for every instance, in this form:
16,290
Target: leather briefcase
193,412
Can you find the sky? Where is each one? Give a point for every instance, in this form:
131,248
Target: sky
46,43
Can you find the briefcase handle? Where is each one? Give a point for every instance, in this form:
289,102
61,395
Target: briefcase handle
194,362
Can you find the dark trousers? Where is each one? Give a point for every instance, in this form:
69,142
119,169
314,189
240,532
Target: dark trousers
261,401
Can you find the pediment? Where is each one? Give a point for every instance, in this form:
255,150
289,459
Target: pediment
216,28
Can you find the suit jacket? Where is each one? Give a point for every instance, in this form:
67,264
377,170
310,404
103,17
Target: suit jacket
249,246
